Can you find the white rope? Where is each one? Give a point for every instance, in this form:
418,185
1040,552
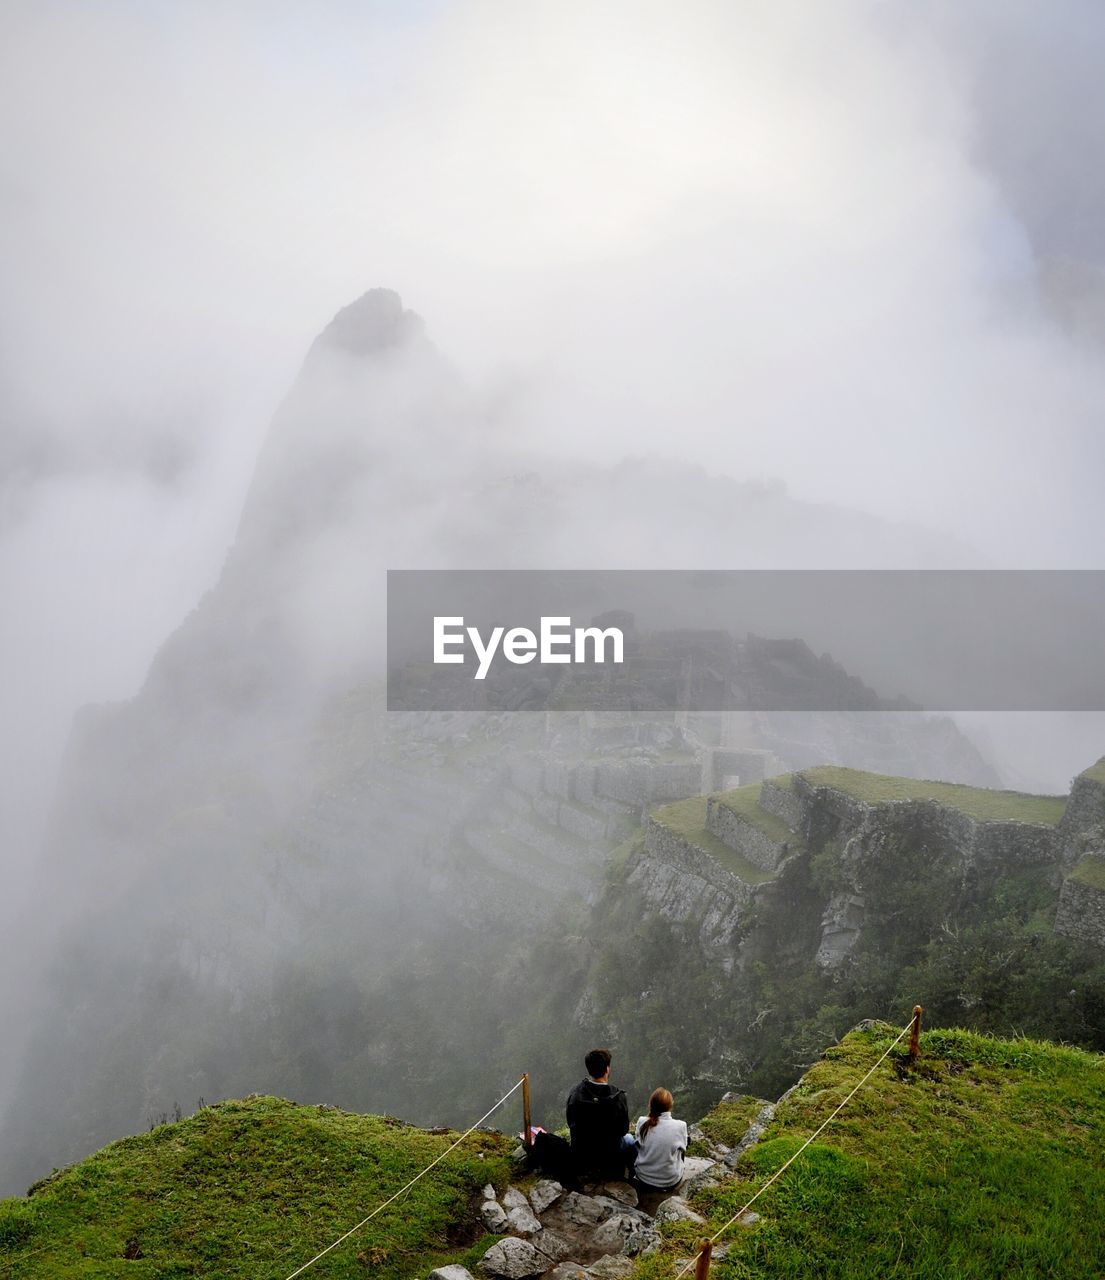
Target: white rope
812,1138
391,1199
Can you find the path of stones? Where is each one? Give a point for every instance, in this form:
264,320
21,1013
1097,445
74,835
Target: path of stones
595,1233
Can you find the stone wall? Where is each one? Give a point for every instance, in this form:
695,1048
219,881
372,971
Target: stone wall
743,836
1081,913
647,782
750,764
785,803
1082,826
635,783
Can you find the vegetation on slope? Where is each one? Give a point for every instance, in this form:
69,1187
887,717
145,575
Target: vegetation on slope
980,803
980,1160
253,1188
1091,871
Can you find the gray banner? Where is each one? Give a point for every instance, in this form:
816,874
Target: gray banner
746,640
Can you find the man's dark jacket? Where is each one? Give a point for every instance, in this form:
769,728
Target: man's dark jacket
598,1117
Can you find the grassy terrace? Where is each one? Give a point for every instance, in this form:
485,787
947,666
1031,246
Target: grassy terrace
1090,871
1096,772
254,1188
982,1160
976,802
687,819
745,801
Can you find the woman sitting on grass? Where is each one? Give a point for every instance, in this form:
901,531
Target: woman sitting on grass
661,1145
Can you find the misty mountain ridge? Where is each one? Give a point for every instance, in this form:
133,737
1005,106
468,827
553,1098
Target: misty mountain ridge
252,843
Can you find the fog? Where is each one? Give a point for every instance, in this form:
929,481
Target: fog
851,254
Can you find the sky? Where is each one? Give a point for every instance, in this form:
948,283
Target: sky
855,248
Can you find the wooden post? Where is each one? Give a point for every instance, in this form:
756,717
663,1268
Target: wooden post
527,1117
702,1262
915,1034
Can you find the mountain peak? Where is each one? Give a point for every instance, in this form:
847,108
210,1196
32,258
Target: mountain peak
376,321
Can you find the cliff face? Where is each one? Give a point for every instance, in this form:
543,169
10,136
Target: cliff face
788,904
709,866
1081,913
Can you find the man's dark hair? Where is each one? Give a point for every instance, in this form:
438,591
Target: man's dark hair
597,1063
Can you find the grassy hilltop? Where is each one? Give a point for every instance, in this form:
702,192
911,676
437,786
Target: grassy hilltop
253,1188
981,1160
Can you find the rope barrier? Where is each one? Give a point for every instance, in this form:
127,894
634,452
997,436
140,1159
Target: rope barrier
391,1199
812,1138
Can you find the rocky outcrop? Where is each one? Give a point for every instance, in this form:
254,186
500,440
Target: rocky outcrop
596,1233
683,883
840,926
1082,827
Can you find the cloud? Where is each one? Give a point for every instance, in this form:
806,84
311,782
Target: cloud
776,239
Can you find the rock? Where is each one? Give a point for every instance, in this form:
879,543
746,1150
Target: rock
622,1192
513,1259
694,1165
488,1193
585,1211
643,1242
553,1245
753,1133
614,1266
695,1133
522,1221
708,1178
628,1233
545,1193
619,1206
451,1272
514,1199
493,1216
676,1209
749,1218
568,1271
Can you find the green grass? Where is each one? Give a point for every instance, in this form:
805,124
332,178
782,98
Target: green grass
982,1160
729,1121
976,802
1091,871
687,819
745,802
253,1188
1096,772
